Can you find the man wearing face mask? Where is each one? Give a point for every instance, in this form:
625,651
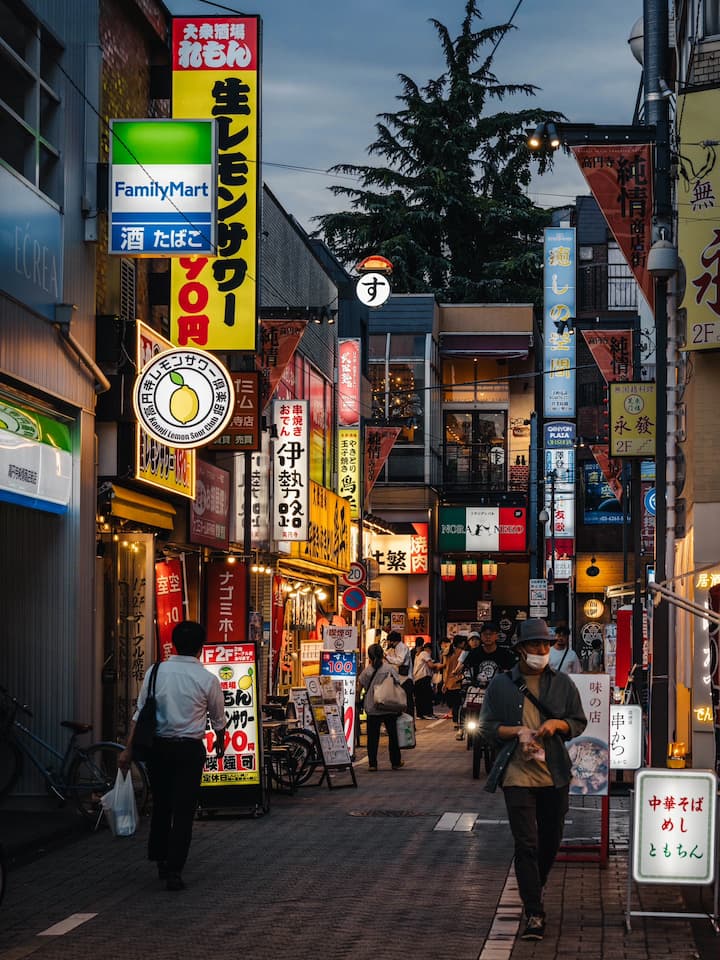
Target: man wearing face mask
530,712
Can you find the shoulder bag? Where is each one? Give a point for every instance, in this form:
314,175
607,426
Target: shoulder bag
389,696
146,723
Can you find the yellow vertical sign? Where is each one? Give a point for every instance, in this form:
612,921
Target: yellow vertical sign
215,74
349,468
633,420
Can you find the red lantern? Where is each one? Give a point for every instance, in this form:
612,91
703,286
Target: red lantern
447,570
489,571
469,570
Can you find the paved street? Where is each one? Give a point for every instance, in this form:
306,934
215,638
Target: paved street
358,874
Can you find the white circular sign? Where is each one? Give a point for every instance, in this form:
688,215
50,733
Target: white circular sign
184,397
356,575
373,289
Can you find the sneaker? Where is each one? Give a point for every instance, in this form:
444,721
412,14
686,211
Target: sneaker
534,929
373,768
459,735
396,766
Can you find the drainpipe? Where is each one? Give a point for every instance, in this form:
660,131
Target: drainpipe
63,316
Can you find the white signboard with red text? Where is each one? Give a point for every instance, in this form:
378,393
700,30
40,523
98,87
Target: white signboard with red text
401,553
590,752
291,480
234,664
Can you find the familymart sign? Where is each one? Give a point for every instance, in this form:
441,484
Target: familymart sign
162,187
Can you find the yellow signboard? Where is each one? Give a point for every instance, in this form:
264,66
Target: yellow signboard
349,468
215,74
328,542
633,420
698,210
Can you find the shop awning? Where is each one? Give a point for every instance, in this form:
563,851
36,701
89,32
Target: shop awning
131,505
485,344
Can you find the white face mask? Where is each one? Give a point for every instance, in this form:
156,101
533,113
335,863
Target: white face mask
537,661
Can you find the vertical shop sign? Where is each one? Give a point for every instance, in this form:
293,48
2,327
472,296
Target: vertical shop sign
170,468
379,441
633,419
620,178
349,468
234,664
612,351
290,505
626,736
349,373
590,752
279,340
210,510
610,469
342,667
227,609
243,430
559,315
674,827
215,74
328,539
168,602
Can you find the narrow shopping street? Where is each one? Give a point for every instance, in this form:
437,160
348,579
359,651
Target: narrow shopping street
414,862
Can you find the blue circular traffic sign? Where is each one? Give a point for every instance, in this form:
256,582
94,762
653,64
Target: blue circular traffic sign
650,501
354,598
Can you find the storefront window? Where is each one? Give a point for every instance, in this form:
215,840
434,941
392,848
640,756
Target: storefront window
377,343
475,448
470,380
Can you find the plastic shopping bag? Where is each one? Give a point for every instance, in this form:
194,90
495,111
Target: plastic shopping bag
406,731
119,806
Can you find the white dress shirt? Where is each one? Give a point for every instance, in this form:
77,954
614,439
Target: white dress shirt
185,693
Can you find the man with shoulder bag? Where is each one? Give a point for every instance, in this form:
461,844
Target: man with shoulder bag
530,713
185,695
397,654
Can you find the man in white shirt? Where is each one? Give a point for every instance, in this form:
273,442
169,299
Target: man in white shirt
562,656
185,693
397,654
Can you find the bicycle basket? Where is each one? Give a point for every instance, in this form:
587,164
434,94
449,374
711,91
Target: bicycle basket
7,712
474,697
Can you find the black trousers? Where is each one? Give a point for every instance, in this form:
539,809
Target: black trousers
374,722
453,698
537,817
175,769
423,697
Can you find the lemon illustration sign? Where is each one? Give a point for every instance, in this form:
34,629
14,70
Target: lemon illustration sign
184,397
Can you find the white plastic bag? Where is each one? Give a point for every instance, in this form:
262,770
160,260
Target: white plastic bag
406,731
119,806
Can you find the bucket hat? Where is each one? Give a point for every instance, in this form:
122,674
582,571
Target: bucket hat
532,629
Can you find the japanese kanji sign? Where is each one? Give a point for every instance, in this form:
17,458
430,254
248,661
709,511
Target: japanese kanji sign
215,63
259,498
633,419
210,510
349,373
674,826
279,340
168,602
243,430
291,503
379,441
626,736
620,178
559,313
349,469
227,611
590,752
162,188
328,538
612,351
401,553
698,231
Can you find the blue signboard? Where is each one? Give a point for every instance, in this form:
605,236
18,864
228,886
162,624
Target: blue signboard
558,323
601,504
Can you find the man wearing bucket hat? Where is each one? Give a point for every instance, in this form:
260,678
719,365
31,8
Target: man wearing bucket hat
530,712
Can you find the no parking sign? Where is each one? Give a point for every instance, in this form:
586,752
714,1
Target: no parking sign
354,598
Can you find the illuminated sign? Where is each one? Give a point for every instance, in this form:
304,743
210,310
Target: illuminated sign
633,419
162,187
401,553
349,374
559,314
349,469
328,538
489,529
291,502
626,737
35,459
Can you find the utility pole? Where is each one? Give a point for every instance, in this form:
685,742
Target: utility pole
655,60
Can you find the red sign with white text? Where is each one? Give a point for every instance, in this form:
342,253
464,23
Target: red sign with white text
227,610
612,351
349,383
168,602
279,340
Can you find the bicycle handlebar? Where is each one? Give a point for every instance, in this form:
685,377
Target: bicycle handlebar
24,708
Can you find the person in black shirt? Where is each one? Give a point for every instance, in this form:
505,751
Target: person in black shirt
485,661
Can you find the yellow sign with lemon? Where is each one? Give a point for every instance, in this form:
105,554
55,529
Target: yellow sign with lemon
184,397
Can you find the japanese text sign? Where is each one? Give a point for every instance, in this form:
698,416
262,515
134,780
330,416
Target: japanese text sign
626,737
259,498
227,610
162,187
168,602
633,420
342,667
674,826
328,719
620,178
242,432
349,374
401,553
328,538
279,340
291,495
210,510
590,752
495,529
167,467
559,313
612,351
215,73
349,468
379,441
234,664
340,638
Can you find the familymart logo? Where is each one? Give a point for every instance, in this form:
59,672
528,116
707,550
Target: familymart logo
162,187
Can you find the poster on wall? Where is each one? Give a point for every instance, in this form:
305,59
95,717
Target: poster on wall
590,752
234,664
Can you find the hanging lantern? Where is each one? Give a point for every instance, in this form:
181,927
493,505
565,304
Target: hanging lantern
447,570
469,570
489,571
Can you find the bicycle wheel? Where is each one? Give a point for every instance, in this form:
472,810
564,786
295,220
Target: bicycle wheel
305,751
10,765
477,757
93,773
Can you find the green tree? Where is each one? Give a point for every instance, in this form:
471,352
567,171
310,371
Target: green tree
448,206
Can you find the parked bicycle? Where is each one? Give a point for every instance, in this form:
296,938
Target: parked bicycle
81,774
301,746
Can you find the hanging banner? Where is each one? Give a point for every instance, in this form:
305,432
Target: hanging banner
698,194
227,609
379,441
633,419
279,340
620,178
612,351
349,468
215,74
558,316
611,470
168,603
259,498
291,494
349,374
210,510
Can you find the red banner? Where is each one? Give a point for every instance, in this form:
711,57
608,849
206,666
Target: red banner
168,602
611,470
279,340
349,374
227,608
379,441
620,178
612,351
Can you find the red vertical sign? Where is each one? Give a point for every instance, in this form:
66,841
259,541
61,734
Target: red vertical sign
227,609
278,342
612,351
379,442
168,602
349,383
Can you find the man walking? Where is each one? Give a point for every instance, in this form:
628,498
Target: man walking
186,693
562,655
531,712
